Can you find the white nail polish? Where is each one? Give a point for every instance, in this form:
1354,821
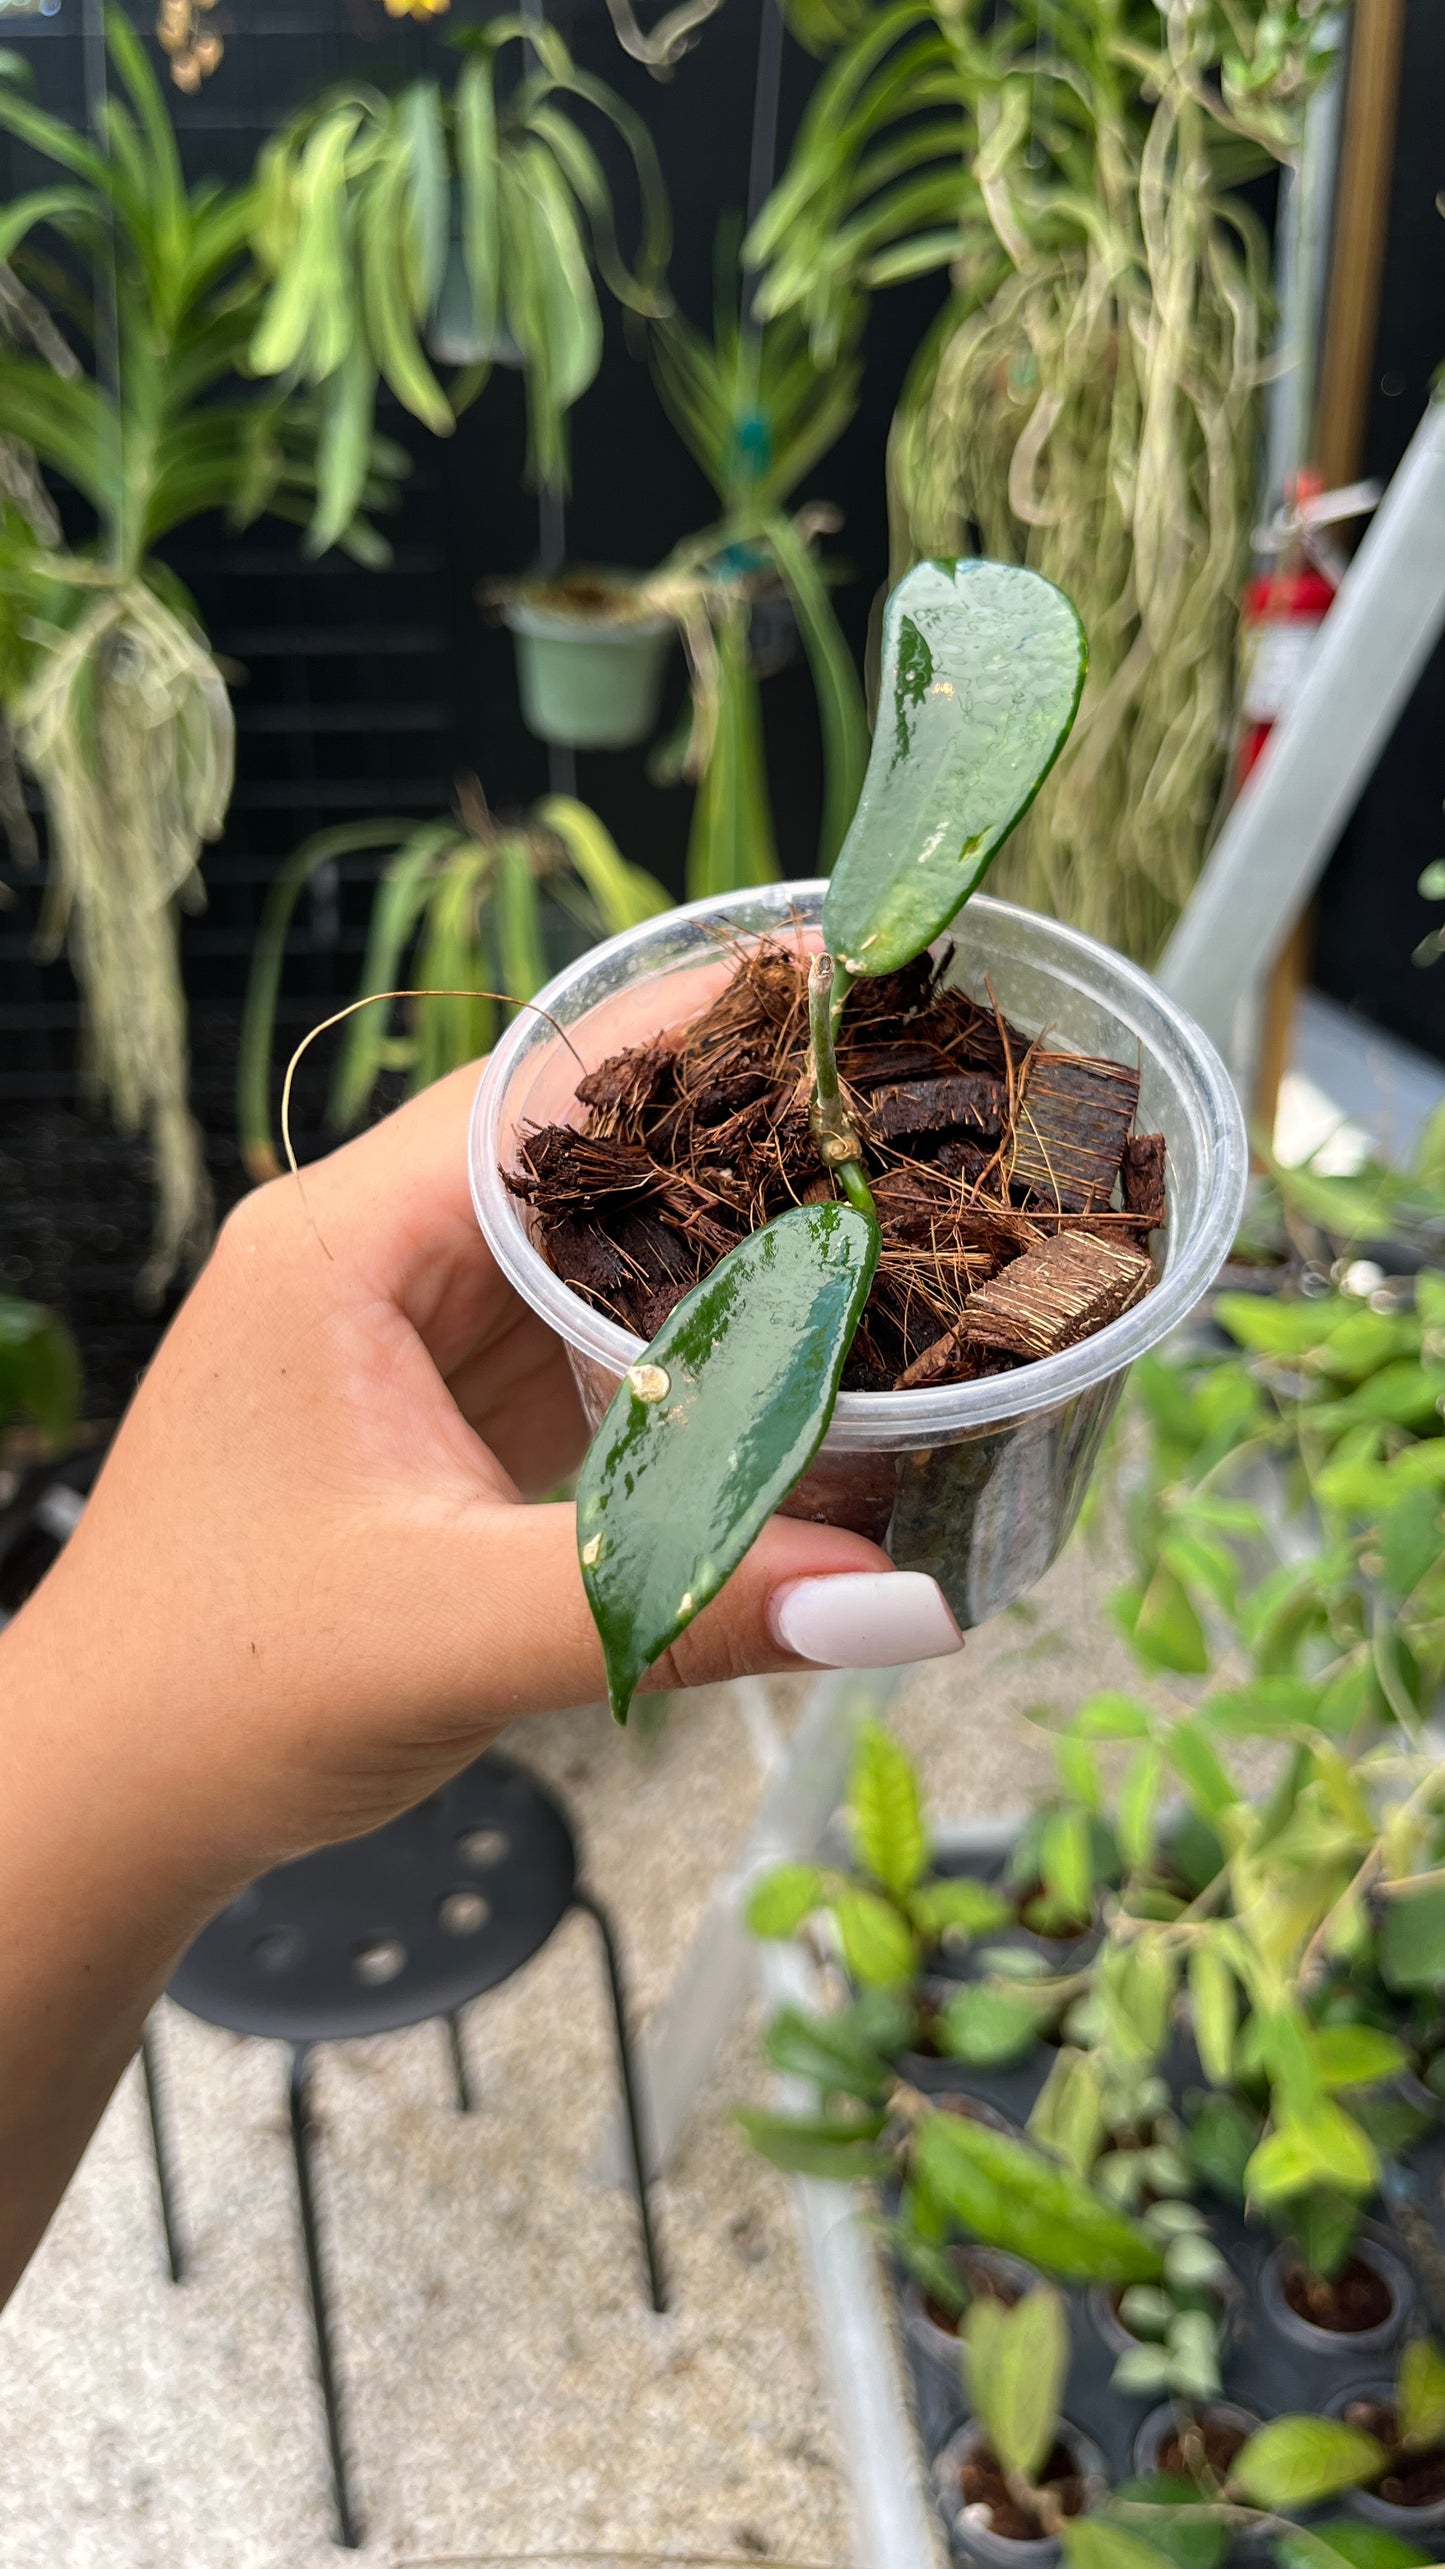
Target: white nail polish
864,1619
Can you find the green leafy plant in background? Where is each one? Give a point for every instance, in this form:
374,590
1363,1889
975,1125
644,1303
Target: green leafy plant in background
39,1371
112,694
1014,2364
757,414
982,670
465,910
468,221
1086,401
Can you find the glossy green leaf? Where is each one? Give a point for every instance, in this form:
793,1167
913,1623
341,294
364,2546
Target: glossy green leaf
956,1908
1329,2149
879,1947
1138,1801
779,1903
817,2146
884,1812
1214,2010
1093,2544
1066,1862
1014,2197
1412,1938
1297,2461
1014,2362
1345,2544
988,2027
709,1432
831,2051
1420,2393
983,668
1356,2055
1112,1716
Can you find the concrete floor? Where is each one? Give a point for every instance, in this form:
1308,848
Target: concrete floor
507,2388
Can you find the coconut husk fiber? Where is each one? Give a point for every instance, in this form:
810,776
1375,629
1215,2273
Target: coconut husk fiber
1016,1201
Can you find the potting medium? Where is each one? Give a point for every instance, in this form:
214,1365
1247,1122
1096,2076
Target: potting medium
978,1483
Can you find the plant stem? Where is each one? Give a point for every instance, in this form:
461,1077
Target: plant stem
839,1148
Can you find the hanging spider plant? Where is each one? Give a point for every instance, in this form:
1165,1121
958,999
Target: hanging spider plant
464,910
114,699
471,222
1086,402
757,413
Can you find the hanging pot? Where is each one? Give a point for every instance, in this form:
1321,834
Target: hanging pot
589,664
979,1482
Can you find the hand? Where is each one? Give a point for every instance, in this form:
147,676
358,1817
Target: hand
306,1588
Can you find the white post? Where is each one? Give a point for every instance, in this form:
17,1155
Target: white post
1279,836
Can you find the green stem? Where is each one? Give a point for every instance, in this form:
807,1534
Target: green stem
839,1148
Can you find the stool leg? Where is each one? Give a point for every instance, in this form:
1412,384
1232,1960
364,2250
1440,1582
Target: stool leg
657,2288
459,2064
161,2151
347,2530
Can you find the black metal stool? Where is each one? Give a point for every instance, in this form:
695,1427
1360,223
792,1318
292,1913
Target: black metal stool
382,1932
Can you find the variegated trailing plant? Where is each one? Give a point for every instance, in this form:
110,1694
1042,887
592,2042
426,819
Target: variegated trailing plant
467,224
983,667
110,689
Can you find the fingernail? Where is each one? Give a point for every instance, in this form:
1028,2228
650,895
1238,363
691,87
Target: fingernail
864,1619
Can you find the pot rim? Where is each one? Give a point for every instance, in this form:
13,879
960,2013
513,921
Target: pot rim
562,624
1339,2343
1366,2502
874,1422
981,2539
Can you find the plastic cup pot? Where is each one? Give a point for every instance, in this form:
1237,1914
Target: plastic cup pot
1399,2517
589,675
1165,2422
977,1483
976,2538
1339,2343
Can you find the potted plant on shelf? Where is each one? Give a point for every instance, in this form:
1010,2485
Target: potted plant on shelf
476,217
465,908
975,1457
591,649
1268,1983
114,700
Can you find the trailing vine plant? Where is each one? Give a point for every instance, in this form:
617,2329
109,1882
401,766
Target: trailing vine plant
1086,401
110,689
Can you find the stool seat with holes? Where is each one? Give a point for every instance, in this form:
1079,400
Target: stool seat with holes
410,1922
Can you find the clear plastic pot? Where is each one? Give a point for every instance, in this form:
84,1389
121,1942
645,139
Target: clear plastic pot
980,1482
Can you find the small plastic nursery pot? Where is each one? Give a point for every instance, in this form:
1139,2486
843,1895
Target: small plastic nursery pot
978,2541
1338,2342
589,678
1164,2422
1411,2522
978,1483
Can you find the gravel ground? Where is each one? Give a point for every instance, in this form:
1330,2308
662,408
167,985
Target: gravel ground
507,2387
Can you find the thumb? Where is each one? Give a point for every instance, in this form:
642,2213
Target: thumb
804,1596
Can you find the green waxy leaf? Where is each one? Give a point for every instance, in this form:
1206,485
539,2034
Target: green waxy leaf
883,1807
1297,2461
878,1945
709,1431
1412,1938
1420,2393
817,2146
1016,2360
983,668
989,2027
828,2050
784,1898
1011,2196
1346,2545
956,1908
1213,2005
1102,2542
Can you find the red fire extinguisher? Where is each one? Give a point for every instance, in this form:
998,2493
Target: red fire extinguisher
1285,606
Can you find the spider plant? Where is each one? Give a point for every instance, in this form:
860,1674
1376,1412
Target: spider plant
461,910
756,412
1086,401
475,218
114,699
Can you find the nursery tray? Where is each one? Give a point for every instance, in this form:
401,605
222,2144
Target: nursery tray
1262,2369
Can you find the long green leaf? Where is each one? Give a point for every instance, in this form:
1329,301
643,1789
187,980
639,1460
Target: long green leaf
707,1435
841,713
983,667
1013,2197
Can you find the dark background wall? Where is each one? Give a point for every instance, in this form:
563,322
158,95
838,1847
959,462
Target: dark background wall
1370,915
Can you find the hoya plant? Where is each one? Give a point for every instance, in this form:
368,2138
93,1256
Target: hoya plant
983,667
39,1370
